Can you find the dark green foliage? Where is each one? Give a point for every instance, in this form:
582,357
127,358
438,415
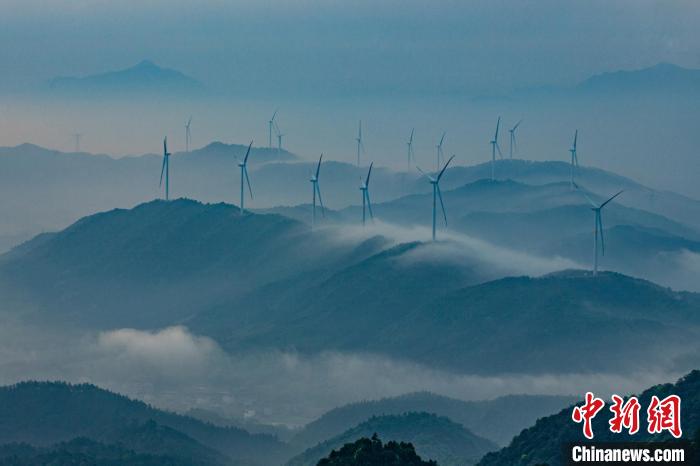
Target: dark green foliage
371,452
85,452
42,414
498,420
542,442
434,437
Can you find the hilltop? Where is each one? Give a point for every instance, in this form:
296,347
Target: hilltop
434,437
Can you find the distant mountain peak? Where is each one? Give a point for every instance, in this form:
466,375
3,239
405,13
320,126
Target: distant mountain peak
145,76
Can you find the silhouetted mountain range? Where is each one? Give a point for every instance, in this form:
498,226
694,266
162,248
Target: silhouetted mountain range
498,419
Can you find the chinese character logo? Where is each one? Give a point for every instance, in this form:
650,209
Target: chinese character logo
665,415
625,415
662,415
587,412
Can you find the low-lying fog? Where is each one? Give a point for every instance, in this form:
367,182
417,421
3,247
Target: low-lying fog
172,368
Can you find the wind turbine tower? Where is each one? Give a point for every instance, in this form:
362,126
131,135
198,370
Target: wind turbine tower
574,160
270,125
366,204
165,170
437,194
77,137
411,155
188,134
494,148
513,144
316,190
598,230
244,176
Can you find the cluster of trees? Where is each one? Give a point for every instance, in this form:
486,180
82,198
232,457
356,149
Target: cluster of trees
372,452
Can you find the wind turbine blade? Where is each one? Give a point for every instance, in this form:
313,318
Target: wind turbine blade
318,167
425,174
162,171
165,146
498,148
410,140
444,168
320,199
590,201
516,125
442,139
245,172
369,204
247,153
369,172
274,115
498,124
575,139
604,203
442,204
600,229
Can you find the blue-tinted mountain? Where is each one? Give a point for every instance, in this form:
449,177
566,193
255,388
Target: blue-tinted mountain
144,77
519,324
660,78
43,414
497,420
434,437
542,442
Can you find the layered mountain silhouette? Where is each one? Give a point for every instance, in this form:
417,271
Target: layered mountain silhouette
497,420
268,282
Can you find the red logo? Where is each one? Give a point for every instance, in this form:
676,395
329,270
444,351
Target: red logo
587,412
662,415
665,415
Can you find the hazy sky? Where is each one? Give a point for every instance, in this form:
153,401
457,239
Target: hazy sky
365,46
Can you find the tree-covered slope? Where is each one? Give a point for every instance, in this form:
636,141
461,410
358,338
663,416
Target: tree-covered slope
434,437
44,413
371,452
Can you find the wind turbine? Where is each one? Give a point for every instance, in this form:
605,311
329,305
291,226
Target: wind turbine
439,151
166,169
495,147
411,155
188,134
316,190
77,137
574,159
366,204
279,137
435,181
513,143
244,176
270,125
598,229
360,145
